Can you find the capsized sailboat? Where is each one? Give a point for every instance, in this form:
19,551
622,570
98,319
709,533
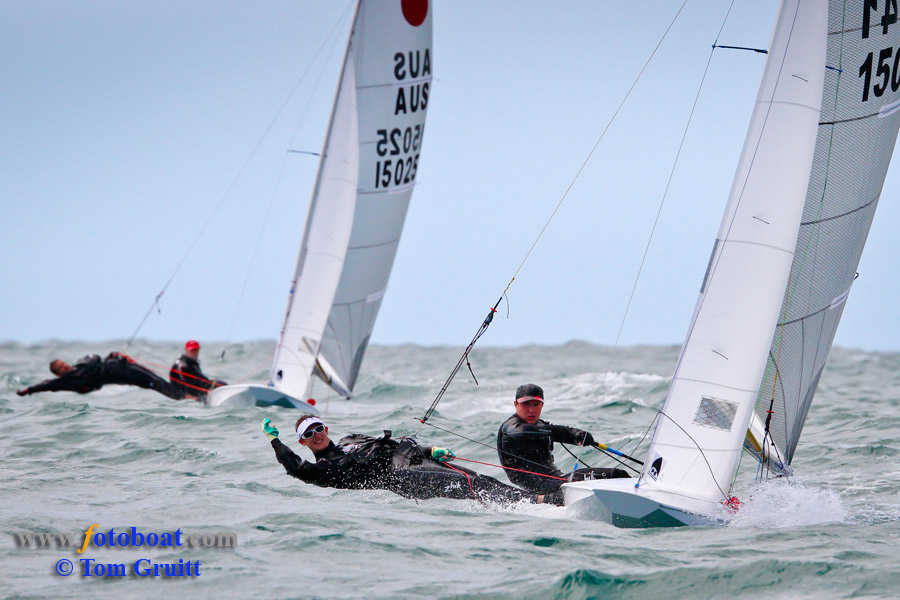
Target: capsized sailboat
362,192
809,178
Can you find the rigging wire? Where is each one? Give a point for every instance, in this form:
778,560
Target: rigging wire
712,473
665,195
221,202
537,464
487,321
280,177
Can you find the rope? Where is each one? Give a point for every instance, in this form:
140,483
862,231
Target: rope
579,458
478,462
469,479
231,186
464,358
703,454
487,321
665,195
459,435
182,373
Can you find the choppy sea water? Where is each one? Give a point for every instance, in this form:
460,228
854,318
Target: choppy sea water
126,457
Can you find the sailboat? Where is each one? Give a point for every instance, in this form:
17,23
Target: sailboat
807,183
363,187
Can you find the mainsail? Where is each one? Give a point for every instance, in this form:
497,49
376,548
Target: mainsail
359,202
857,134
365,183
393,85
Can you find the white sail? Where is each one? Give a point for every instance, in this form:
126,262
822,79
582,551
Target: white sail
760,319
324,244
700,430
358,205
393,85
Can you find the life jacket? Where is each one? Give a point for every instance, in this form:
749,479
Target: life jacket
369,451
408,454
90,367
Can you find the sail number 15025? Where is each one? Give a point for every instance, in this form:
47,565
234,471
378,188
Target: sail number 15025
404,144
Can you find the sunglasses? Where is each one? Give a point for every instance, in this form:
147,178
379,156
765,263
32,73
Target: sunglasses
312,431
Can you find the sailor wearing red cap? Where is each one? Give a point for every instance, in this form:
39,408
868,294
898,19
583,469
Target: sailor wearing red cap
186,375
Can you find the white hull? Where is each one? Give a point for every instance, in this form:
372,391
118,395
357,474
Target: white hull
255,395
618,502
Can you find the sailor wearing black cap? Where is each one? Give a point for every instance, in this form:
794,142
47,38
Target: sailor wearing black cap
525,442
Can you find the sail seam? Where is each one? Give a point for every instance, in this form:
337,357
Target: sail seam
387,243
715,383
785,103
842,215
831,305
760,244
394,85
394,190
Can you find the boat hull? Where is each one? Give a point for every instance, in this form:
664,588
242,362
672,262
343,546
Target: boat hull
256,395
618,502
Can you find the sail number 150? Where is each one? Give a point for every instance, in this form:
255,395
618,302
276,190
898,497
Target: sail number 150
887,73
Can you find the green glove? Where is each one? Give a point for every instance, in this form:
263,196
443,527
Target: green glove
270,430
442,454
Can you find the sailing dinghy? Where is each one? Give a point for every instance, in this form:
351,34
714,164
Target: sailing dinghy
362,192
809,178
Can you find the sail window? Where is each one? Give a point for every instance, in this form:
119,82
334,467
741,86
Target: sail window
716,413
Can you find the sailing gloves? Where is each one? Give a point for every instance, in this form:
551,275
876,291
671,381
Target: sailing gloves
587,440
442,454
270,430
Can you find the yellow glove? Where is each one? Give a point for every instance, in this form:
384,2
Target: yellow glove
442,454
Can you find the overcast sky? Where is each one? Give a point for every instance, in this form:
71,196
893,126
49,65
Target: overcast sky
126,124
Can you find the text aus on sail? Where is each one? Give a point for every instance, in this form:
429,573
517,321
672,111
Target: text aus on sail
398,147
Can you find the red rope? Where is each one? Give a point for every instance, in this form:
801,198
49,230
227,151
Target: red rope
184,383
511,469
469,479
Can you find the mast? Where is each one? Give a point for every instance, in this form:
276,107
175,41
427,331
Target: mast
325,238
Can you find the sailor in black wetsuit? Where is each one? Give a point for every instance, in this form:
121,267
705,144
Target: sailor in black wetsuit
525,442
400,466
91,373
186,375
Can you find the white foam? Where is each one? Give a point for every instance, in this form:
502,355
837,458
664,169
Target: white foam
778,504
